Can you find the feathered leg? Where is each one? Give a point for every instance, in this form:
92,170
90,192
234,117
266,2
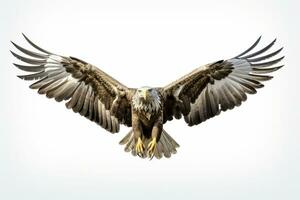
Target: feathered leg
138,131
155,136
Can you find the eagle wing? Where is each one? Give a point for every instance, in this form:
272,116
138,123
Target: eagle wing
218,86
88,90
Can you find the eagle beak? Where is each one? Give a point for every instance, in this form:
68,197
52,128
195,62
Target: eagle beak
145,94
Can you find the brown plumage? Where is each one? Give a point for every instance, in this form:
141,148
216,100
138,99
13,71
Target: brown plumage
198,96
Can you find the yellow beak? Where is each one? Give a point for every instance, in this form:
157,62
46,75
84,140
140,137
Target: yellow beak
145,94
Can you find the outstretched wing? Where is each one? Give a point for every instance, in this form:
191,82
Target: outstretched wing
88,90
219,86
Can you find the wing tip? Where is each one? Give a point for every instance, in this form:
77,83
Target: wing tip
250,48
259,38
21,77
26,38
279,67
17,65
36,46
14,54
13,43
280,49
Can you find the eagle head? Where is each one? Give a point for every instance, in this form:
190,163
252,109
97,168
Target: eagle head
146,99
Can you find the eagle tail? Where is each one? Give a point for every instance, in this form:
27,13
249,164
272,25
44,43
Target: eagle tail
166,145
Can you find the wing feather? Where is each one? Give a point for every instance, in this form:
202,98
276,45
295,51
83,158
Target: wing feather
53,93
260,51
250,48
70,104
221,85
91,103
80,101
86,101
87,90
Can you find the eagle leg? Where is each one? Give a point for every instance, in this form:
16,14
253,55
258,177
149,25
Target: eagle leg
139,147
151,148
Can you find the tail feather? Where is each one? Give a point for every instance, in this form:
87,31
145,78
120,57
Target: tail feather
126,139
166,145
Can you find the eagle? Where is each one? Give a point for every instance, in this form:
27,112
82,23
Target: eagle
200,95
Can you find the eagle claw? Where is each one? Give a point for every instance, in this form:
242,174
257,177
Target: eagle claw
151,148
139,148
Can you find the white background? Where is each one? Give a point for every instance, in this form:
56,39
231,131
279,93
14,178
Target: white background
251,152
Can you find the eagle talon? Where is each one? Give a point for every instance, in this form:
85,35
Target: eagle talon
151,148
139,148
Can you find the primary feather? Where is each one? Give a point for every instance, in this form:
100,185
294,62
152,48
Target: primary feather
219,86
88,90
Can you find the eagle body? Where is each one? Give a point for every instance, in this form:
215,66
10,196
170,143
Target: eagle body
198,96
147,126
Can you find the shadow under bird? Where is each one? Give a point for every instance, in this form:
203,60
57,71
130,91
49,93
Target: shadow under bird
197,96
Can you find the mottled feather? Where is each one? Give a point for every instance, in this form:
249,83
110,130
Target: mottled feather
219,86
88,90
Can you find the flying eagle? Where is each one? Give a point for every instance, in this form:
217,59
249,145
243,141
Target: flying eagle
197,96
